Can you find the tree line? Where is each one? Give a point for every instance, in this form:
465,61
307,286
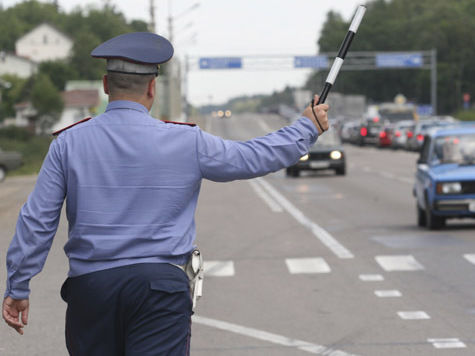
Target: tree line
86,26
408,25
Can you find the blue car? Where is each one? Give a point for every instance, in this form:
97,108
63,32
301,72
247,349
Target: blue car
445,178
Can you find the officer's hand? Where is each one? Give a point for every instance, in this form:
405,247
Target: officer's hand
318,115
11,310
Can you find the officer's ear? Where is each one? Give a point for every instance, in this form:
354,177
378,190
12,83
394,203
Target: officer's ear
151,88
105,84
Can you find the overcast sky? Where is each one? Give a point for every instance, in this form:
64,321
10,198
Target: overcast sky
235,28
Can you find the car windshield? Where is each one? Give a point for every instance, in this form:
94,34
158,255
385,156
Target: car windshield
455,149
329,138
396,115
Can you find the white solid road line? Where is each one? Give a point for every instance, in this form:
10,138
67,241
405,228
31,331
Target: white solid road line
328,240
307,265
273,205
399,263
264,126
218,268
269,337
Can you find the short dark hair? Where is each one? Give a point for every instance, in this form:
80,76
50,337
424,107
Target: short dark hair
124,83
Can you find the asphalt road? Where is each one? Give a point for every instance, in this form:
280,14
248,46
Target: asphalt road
319,264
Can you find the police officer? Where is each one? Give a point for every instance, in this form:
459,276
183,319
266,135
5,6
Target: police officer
131,185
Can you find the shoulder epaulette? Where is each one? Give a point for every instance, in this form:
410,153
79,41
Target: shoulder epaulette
68,127
179,123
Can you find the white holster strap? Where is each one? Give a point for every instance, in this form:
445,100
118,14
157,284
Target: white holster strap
194,271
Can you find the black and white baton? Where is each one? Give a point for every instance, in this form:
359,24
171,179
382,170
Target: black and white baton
337,63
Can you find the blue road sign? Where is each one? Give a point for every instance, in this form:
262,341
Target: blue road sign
311,62
220,63
424,110
399,60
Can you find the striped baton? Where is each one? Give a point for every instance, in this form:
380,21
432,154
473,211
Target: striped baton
337,63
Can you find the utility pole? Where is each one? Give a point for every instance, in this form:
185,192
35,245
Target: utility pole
152,26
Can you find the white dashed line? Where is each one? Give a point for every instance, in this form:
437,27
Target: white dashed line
218,268
273,205
448,343
394,293
307,265
328,240
470,257
413,315
371,277
269,337
399,263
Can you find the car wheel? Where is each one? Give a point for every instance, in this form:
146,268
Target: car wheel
433,222
292,172
3,173
421,216
340,171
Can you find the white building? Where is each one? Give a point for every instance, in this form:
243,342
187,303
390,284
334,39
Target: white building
19,66
44,43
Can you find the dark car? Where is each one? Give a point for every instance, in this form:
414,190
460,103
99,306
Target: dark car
8,162
327,153
445,178
369,132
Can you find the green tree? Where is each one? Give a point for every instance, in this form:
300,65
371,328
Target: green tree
47,101
59,72
11,95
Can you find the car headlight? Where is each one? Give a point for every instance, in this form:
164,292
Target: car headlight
335,155
449,188
304,158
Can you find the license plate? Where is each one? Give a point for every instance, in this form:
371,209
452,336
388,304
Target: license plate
319,164
374,131
471,207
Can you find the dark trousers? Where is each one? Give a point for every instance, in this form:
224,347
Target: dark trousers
142,309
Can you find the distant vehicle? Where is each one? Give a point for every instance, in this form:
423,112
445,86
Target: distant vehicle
369,132
386,136
327,153
421,128
224,114
349,131
392,112
9,161
402,130
445,178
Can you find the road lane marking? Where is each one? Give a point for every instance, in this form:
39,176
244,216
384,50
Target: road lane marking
447,343
371,277
307,265
399,263
269,337
271,203
218,268
470,257
393,293
413,315
328,240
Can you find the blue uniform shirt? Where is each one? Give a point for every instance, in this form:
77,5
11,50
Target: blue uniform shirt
131,185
